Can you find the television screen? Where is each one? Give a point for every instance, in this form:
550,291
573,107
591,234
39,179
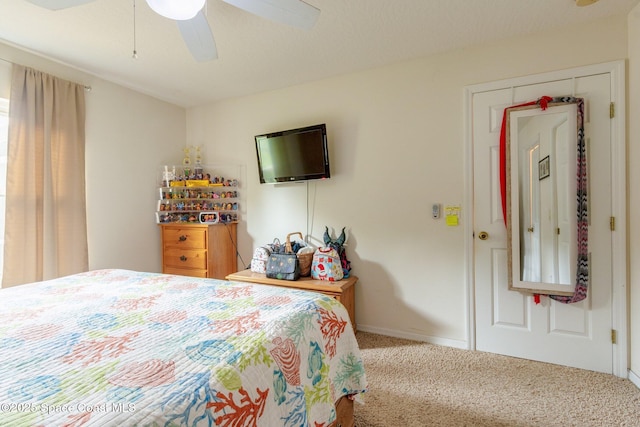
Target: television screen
293,155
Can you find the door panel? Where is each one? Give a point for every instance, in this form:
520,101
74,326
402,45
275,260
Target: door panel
509,322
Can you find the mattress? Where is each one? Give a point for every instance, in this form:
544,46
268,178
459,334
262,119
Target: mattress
123,348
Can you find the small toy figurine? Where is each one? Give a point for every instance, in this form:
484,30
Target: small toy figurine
186,161
167,176
198,157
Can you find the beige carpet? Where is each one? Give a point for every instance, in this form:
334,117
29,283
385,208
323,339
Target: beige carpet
419,384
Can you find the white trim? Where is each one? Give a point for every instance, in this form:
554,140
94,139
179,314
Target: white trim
468,221
619,211
635,379
415,337
618,198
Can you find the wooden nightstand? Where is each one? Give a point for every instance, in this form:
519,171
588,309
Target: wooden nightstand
199,250
343,290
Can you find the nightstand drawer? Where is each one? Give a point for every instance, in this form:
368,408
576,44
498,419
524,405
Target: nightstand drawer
189,238
185,258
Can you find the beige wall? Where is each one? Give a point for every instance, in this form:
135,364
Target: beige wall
127,136
397,146
633,166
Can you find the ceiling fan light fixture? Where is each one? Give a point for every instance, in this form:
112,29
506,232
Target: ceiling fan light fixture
179,10
585,2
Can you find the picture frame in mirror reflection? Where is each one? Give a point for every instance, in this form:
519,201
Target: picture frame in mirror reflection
543,168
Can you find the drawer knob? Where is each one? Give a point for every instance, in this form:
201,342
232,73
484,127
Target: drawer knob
182,238
183,258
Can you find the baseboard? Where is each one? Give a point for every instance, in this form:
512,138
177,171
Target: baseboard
413,336
634,378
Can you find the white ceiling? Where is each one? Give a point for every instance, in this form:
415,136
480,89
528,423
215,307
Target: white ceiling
257,55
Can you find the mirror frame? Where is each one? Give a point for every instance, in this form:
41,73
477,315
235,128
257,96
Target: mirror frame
560,291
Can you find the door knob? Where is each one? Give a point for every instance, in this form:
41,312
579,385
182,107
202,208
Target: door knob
483,235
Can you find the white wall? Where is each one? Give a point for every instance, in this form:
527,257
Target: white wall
633,166
396,146
128,135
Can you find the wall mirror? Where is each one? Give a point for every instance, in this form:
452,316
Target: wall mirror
541,157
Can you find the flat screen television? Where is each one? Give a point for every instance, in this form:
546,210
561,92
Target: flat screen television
293,155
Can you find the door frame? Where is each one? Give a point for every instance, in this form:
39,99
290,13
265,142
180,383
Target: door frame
619,264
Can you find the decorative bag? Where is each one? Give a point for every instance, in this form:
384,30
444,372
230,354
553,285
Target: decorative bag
326,265
259,259
283,267
304,253
261,256
339,245
292,247
305,258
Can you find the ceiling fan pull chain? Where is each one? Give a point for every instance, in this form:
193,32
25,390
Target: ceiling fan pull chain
135,52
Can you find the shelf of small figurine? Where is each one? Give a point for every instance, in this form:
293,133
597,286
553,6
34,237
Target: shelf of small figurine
199,181
196,193
184,196
192,217
195,205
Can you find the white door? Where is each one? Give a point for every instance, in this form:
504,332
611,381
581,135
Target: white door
509,322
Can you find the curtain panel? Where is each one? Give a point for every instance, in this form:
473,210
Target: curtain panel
46,226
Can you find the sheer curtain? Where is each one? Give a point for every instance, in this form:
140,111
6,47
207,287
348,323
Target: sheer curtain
46,227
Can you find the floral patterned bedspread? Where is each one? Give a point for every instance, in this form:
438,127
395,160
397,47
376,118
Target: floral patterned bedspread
124,348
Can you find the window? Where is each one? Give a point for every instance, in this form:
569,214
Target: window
4,134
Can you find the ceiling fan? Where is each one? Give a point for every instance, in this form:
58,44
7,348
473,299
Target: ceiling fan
193,23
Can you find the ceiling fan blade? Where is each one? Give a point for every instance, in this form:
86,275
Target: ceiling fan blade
58,4
290,12
198,37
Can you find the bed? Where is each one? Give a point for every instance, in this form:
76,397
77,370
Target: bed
123,348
